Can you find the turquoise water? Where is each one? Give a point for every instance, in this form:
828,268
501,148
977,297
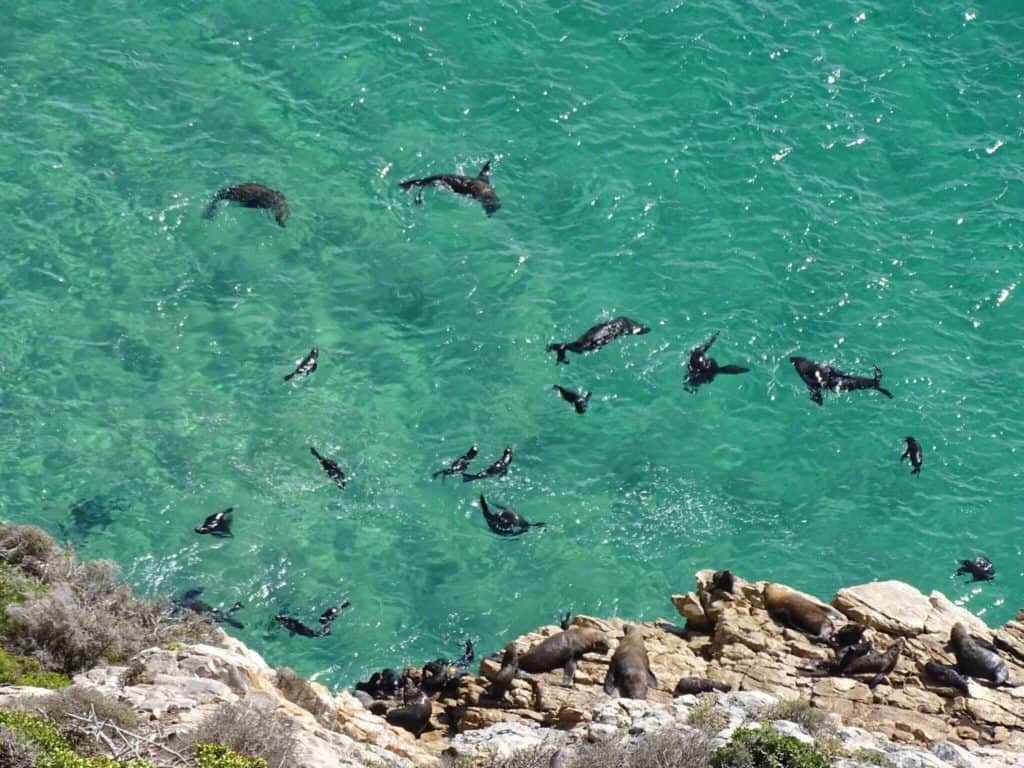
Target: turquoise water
838,180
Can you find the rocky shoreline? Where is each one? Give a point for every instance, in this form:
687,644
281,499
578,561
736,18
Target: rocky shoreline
728,637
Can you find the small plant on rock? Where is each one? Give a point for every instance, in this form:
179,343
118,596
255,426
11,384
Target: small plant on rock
765,747
706,717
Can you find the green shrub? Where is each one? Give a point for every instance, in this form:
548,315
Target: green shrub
219,756
813,721
765,747
53,750
22,670
15,750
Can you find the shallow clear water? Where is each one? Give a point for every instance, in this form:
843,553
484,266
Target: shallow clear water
843,181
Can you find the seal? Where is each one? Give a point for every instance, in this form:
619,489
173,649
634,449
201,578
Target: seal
868,661
468,654
818,376
500,467
563,650
506,522
942,674
597,336
849,634
794,610
980,568
702,369
414,714
630,670
975,658
331,467
332,613
296,627
251,195
579,402
913,453
478,188
503,678
723,580
460,463
190,601
380,684
219,523
695,685
305,365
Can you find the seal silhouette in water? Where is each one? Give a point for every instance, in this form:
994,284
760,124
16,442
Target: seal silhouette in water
597,336
331,613
190,601
219,523
500,467
913,453
630,669
331,467
980,568
460,463
252,195
506,522
579,402
478,188
818,376
306,365
976,658
296,627
703,369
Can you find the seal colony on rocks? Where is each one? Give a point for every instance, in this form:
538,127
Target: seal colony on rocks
251,195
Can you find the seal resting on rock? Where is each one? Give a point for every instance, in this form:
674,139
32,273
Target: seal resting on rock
251,195
871,662
597,336
414,714
630,669
796,611
563,650
695,685
976,658
943,674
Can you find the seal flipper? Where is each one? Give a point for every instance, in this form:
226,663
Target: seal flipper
732,369
560,349
878,379
485,172
569,673
609,681
816,396
652,681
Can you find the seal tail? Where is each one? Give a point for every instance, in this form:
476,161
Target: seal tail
537,525
878,379
211,207
560,349
290,376
732,369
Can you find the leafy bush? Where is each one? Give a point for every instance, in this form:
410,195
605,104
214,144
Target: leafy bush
219,756
249,730
89,616
15,751
52,749
706,717
22,670
765,747
813,721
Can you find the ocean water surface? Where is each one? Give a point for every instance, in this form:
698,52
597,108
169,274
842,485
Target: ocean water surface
839,180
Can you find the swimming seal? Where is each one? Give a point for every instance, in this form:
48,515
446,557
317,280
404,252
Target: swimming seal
460,463
579,402
478,188
630,670
332,613
703,369
818,376
794,610
980,568
414,714
942,674
563,650
306,365
500,467
913,453
975,658
296,627
597,336
219,523
695,685
190,601
506,522
468,654
252,195
331,467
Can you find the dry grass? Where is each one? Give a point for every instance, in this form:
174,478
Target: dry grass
63,709
249,730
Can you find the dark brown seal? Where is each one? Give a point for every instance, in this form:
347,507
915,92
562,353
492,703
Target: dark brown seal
630,669
252,195
695,685
976,658
871,662
794,610
563,650
503,678
414,714
943,674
